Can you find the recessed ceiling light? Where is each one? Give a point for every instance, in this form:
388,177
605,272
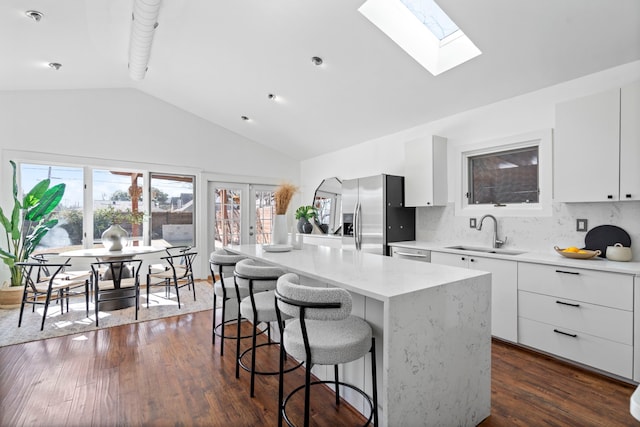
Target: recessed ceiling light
316,60
245,118
55,65
34,14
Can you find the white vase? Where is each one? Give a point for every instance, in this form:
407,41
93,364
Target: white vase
279,233
115,238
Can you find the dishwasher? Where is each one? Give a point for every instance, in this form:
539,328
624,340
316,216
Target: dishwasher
411,253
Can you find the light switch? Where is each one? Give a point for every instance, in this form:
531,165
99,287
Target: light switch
472,223
581,225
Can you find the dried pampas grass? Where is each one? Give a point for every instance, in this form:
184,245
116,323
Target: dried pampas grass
283,195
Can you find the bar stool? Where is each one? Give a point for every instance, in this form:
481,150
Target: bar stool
257,307
222,263
322,332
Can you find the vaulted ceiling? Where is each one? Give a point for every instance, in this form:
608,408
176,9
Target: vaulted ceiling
219,59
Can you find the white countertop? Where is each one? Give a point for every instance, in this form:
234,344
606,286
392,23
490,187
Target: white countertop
375,276
551,257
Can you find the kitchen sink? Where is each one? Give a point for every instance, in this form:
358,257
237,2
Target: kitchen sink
485,250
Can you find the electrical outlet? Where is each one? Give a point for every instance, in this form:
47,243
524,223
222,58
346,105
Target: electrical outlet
472,223
581,225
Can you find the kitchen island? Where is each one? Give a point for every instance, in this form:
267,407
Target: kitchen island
432,329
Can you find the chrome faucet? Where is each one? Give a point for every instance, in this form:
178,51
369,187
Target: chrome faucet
496,242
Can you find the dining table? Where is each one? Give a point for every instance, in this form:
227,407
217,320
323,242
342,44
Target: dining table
103,254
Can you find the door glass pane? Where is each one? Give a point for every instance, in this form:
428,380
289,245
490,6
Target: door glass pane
265,211
67,234
228,222
117,199
172,210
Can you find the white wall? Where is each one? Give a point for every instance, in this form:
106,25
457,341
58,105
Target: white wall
126,123
530,112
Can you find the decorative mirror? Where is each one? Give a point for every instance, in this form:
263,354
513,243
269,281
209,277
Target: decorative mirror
328,201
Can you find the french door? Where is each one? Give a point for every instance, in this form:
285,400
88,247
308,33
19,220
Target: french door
240,214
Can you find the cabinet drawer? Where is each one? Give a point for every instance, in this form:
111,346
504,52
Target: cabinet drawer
584,348
609,323
411,253
596,287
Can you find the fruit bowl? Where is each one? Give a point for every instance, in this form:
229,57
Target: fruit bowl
581,254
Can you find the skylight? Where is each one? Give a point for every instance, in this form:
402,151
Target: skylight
432,17
423,30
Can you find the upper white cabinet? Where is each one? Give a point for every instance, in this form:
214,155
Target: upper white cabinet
596,147
425,182
630,142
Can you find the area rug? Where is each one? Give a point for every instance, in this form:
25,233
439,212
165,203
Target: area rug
76,322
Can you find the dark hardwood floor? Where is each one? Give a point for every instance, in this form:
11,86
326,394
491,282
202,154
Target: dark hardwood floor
166,373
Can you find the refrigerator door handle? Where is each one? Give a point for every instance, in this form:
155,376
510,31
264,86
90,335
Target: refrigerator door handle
358,226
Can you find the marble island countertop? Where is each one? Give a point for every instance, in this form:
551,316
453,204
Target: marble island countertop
550,257
375,276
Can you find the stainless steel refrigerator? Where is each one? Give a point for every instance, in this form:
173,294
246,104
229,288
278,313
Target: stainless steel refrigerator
374,215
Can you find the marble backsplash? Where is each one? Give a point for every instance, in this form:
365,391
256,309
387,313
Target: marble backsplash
540,234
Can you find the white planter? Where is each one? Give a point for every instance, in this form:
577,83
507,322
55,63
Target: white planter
279,233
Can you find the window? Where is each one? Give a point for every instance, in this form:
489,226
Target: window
67,234
172,210
506,177
166,218
423,30
117,199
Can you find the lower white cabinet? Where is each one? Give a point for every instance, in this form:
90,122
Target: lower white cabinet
578,314
504,289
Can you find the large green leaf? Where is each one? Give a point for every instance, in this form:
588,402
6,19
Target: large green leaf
6,222
15,222
32,240
35,194
47,203
7,257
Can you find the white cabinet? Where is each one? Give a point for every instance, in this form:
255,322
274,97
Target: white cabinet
582,315
504,289
425,182
630,142
596,147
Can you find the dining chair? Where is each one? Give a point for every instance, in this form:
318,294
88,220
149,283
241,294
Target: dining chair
178,272
322,331
116,283
44,281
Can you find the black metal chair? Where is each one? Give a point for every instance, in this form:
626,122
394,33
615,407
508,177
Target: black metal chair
178,272
322,332
116,283
44,281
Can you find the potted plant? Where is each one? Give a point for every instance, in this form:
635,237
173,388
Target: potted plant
303,215
29,221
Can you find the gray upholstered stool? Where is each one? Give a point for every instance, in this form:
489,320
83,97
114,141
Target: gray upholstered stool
322,332
222,263
257,307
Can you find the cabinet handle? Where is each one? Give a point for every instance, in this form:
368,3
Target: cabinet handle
412,254
568,272
462,258
609,196
472,260
565,333
628,196
567,303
